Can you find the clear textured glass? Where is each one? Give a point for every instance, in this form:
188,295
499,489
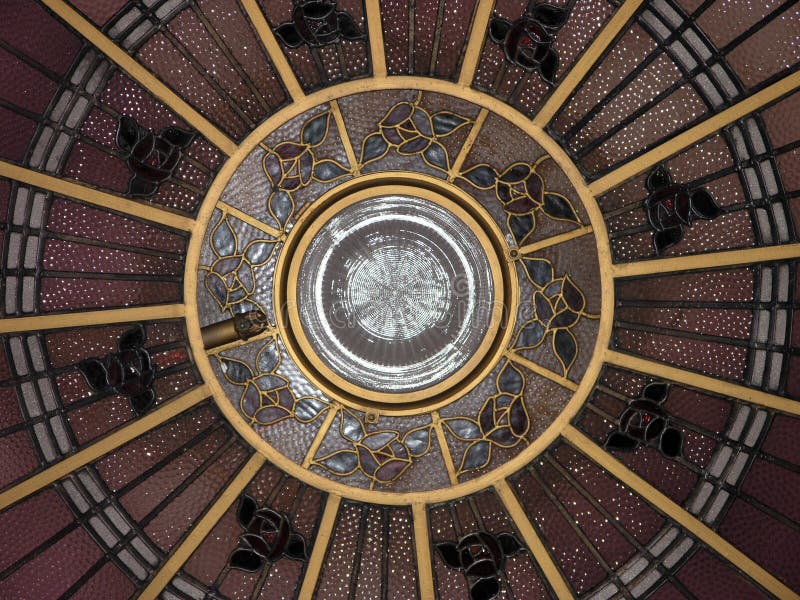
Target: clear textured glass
395,293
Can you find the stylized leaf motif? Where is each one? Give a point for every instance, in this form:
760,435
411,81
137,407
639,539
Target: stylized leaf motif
316,129
446,122
558,207
223,240
329,170
463,429
477,456
482,176
566,348
236,371
374,147
436,156
418,441
343,462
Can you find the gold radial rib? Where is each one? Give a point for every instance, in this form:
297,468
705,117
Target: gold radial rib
333,410
252,221
422,545
533,541
702,382
695,134
675,512
142,75
276,55
540,370
375,32
444,448
204,526
726,258
477,34
586,62
89,195
91,317
324,534
555,240
109,443
348,145
455,170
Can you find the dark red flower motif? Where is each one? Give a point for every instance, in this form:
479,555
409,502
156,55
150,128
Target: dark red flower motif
383,456
671,207
268,537
520,188
408,127
128,372
317,23
504,420
481,556
151,157
646,423
528,41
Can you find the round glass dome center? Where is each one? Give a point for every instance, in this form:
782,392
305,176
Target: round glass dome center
395,293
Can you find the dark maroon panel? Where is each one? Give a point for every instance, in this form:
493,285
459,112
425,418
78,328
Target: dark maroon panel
707,577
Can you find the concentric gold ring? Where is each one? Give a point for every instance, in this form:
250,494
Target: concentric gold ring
502,314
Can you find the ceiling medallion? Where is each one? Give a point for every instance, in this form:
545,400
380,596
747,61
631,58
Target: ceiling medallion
427,293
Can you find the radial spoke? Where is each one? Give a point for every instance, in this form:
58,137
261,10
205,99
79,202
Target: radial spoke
252,221
348,145
540,370
586,62
702,382
276,55
444,448
84,193
725,258
142,75
111,442
695,134
321,542
375,33
204,526
677,513
555,240
422,545
472,54
455,170
333,410
91,317
554,577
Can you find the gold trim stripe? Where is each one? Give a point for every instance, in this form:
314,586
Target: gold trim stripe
702,382
726,258
444,448
472,54
250,220
586,62
375,33
349,151
695,134
422,546
147,79
333,410
540,370
84,193
276,55
555,240
321,542
91,317
678,514
533,541
474,131
109,443
203,527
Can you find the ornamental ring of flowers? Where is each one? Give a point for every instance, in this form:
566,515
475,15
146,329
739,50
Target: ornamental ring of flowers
528,42
151,157
290,166
267,397
646,423
129,371
231,278
521,191
411,130
267,537
382,456
558,306
502,421
481,557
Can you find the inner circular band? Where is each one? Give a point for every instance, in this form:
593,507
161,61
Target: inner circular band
395,293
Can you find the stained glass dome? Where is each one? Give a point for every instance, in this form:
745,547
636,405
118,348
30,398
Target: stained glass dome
413,299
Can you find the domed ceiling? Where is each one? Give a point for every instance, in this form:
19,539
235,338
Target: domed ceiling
399,299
